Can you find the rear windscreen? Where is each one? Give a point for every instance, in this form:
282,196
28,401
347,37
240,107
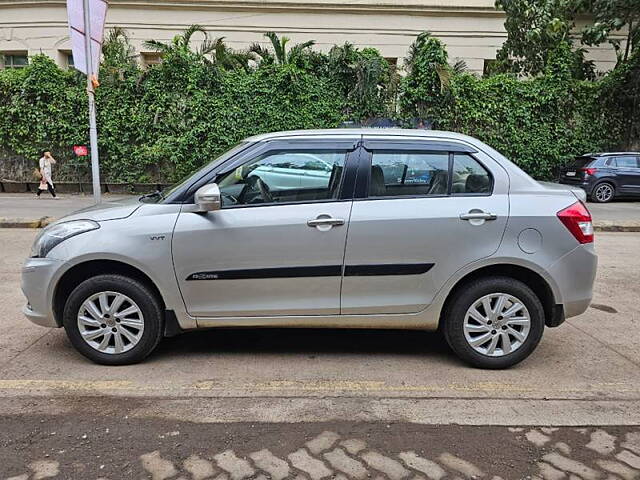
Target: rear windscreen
580,162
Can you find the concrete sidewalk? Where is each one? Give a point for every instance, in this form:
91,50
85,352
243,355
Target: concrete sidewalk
24,210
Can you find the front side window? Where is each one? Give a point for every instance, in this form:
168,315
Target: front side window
404,173
284,177
469,176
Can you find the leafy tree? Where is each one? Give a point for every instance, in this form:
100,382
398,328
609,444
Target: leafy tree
534,29
423,90
364,77
610,17
119,56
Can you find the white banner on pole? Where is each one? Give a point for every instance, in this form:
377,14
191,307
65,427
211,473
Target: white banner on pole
97,13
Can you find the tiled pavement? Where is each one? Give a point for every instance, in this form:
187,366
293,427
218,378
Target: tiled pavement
552,454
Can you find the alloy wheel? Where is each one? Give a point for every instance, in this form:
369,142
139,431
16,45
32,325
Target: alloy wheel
604,192
497,324
110,322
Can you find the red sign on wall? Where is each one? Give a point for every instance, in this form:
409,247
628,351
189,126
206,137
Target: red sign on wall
81,150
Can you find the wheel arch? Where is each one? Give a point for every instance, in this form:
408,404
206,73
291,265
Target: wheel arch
90,268
531,278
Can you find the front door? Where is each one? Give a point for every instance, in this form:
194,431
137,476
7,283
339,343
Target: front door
276,247
426,210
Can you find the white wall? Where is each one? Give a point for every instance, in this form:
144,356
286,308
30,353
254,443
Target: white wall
471,29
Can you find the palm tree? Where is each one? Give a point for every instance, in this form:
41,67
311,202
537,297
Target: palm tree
459,67
213,51
181,43
228,58
280,54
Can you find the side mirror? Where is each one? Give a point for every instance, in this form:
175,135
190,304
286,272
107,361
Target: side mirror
207,198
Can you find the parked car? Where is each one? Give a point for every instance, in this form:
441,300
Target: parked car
604,176
293,171
443,233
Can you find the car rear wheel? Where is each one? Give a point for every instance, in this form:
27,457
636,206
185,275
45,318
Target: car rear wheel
603,193
494,322
113,319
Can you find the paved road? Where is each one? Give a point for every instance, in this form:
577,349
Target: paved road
13,205
214,401
106,447
624,211
27,205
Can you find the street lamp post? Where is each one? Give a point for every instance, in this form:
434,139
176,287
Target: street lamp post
93,129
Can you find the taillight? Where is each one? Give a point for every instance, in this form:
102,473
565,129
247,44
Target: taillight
577,219
589,171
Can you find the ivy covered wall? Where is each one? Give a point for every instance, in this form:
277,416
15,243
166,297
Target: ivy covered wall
159,124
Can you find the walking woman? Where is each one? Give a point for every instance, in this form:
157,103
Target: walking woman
46,183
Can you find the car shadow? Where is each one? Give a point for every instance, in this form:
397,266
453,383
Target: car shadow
307,340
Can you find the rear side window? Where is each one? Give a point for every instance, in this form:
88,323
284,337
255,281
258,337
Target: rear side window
469,176
627,162
403,173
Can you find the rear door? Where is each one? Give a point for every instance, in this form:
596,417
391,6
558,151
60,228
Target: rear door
423,210
628,174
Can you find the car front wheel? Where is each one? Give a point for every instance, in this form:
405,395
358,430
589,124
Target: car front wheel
113,319
494,322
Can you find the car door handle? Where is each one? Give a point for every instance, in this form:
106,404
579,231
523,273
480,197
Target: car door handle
325,221
478,216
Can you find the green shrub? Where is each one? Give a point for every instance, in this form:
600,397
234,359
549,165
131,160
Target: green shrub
539,123
159,124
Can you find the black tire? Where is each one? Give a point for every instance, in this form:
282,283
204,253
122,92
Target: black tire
454,317
136,291
603,199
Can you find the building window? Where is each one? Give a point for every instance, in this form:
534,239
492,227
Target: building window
149,59
392,61
15,60
67,58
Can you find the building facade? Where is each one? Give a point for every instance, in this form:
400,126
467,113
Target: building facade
472,30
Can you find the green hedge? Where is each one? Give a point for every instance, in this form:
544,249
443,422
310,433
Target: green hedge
539,123
160,124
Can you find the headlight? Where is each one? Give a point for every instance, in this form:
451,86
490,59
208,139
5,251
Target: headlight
55,234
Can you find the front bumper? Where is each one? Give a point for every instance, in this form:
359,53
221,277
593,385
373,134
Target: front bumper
38,275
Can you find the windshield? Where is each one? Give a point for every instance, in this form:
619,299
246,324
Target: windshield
168,193
580,162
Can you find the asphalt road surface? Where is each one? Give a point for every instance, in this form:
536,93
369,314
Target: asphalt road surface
315,404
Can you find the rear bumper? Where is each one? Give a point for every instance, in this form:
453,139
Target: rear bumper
575,274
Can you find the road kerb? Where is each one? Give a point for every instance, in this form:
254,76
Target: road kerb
25,222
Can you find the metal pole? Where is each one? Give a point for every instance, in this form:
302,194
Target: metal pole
93,129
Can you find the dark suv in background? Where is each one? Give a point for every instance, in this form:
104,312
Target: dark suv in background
604,176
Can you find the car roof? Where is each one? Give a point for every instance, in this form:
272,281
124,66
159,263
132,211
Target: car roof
608,154
359,132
